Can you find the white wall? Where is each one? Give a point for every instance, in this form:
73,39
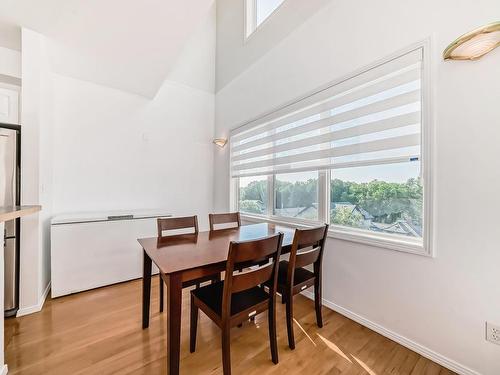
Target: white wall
234,55
36,149
10,62
117,151
440,304
10,36
89,147
113,150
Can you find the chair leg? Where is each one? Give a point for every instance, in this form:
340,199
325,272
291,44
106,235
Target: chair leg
283,299
226,350
193,326
318,302
289,322
272,331
161,294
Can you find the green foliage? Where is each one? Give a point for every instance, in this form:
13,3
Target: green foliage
255,190
251,206
387,202
253,196
347,216
298,194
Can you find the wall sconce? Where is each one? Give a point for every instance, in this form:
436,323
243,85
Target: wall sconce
474,44
221,142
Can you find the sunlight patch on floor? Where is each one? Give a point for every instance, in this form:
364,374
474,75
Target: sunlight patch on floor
303,330
365,366
334,347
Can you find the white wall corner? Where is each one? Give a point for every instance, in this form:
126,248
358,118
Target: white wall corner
10,62
35,308
400,339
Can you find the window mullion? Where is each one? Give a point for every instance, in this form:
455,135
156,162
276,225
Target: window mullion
322,193
328,195
270,195
234,199
323,180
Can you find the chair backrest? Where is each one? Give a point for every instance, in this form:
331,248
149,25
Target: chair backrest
251,252
313,242
229,218
176,224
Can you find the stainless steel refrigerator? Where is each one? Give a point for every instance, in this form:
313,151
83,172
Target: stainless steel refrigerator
10,196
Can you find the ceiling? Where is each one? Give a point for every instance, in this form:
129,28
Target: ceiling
125,44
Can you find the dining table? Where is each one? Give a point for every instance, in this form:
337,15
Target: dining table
187,257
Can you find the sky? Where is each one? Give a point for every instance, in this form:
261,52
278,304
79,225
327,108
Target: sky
265,8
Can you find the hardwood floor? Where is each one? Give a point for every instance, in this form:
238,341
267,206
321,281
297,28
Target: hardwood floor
99,332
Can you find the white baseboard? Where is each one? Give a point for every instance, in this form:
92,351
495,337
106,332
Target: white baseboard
416,347
35,308
4,371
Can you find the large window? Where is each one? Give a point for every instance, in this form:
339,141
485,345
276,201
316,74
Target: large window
257,11
354,154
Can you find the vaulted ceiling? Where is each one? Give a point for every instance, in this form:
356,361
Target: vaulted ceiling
126,44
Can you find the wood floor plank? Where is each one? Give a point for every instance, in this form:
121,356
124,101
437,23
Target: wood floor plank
99,333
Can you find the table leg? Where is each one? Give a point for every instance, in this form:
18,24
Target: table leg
174,308
146,290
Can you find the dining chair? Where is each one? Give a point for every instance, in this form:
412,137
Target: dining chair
179,226
307,249
230,302
228,218
177,223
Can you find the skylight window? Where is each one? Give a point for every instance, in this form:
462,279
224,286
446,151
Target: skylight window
257,11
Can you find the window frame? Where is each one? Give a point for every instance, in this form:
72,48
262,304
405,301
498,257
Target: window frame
423,246
250,18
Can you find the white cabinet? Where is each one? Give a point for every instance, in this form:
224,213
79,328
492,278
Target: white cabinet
90,251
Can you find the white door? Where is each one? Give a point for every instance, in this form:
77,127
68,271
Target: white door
9,106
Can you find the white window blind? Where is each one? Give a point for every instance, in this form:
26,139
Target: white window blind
369,119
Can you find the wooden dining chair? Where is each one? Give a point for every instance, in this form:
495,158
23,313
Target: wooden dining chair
180,226
177,223
307,249
229,218
232,301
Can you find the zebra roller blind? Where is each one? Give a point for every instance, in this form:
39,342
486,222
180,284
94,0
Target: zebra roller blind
371,118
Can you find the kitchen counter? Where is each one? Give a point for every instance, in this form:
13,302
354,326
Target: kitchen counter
13,212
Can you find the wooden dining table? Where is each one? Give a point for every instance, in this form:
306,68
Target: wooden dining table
189,257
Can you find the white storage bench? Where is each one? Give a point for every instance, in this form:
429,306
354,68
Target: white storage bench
93,250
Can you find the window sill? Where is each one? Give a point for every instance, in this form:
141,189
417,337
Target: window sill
302,223
398,244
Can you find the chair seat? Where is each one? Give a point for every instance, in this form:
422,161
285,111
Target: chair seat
211,296
300,275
